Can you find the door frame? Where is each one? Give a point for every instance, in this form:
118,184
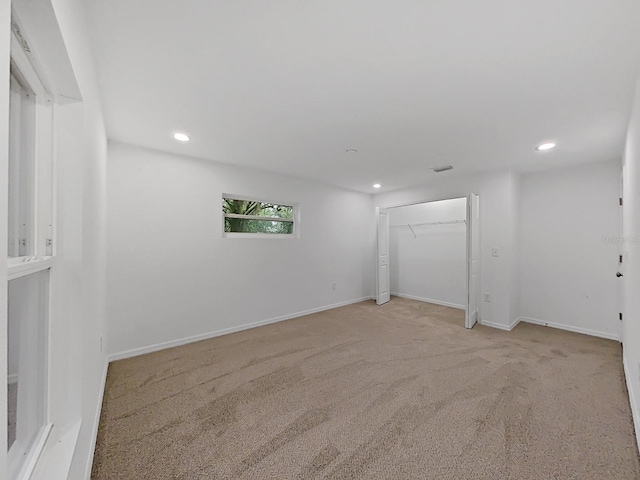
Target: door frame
623,258
382,259
440,199
473,317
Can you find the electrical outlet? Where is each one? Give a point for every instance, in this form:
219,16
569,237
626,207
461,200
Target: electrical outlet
333,286
487,297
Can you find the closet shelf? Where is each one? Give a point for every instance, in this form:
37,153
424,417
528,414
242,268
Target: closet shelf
411,225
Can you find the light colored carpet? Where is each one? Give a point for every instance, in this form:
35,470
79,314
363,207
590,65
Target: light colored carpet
401,391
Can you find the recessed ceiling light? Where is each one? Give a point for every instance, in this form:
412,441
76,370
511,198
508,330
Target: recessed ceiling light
545,146
181,137
376,185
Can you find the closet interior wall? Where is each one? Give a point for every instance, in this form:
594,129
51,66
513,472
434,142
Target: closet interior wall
428,252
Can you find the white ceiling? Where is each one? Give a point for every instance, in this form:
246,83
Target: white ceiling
289,85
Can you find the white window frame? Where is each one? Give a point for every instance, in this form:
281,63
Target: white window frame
42,234
295,220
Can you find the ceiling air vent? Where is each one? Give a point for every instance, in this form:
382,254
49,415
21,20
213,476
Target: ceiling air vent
442,169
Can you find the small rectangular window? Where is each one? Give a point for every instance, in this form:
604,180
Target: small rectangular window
243,216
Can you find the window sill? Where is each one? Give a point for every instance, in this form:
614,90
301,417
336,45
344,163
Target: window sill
55,461
32,456
259,235
19,267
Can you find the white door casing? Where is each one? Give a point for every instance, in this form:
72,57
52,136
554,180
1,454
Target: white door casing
623,258
383,294
473,251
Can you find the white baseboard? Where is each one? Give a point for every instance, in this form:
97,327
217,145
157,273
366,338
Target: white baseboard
570,328
96,421
500,326
205,336
632,401
514,323
560,326
430,300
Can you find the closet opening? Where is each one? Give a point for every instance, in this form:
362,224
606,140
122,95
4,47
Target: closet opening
429,252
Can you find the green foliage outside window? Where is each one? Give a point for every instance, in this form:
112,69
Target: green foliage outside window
257,209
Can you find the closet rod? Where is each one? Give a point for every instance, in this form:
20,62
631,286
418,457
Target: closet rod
411,225
429,223
438,223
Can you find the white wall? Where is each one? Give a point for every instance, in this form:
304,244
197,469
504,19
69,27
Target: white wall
432,265
496,190
567,269
631,280
171,274
85,146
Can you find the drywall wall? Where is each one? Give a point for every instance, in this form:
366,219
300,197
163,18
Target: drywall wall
172,275
631,247
82,228
496,191
5,32
567,265
429,262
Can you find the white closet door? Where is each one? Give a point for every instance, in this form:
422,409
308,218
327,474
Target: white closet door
383,294
473,250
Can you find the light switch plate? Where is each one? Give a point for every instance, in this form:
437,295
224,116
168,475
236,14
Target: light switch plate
495,252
